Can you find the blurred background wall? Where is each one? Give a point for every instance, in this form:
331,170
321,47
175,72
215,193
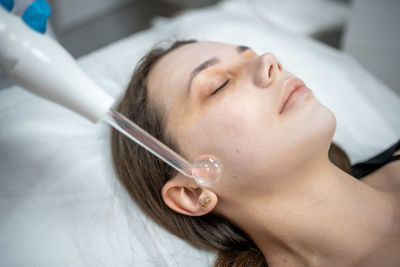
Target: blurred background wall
372,36
85,25
369,32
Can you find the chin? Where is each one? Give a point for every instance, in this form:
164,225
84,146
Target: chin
314,125
322,126
326,121
313,118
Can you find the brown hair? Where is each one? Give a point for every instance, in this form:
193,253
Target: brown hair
143,176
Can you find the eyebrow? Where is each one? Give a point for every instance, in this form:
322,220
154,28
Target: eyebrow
208,63
241,48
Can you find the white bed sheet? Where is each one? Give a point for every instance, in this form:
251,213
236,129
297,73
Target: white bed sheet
60,203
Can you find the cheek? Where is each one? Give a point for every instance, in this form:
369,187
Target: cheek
238,134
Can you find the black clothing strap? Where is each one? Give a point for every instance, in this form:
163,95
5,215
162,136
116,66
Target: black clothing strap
362,169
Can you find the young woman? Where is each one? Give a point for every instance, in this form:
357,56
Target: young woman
281,200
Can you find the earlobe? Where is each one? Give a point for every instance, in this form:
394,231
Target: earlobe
206,202
188,198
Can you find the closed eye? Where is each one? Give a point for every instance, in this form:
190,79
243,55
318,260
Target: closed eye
219,88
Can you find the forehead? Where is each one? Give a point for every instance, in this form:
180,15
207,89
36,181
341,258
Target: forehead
168,78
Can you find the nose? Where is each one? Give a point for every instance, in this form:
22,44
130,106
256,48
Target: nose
267,68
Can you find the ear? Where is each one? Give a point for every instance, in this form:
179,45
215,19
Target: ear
186,197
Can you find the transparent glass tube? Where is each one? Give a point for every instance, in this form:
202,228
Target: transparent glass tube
206,169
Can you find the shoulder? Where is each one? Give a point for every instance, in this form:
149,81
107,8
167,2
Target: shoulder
386,178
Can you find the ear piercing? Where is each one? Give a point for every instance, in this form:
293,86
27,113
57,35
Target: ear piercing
206,202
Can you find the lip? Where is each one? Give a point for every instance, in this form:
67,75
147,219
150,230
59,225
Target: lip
289,87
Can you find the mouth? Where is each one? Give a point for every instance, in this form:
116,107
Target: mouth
293,90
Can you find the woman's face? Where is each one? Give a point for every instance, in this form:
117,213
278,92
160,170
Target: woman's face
226,100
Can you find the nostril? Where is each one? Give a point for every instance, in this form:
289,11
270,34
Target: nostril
271,68
279,66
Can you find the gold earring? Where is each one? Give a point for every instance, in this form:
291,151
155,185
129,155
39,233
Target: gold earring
206,202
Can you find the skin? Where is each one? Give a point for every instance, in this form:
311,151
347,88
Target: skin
278,184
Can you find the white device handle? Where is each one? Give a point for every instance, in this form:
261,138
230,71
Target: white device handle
39,64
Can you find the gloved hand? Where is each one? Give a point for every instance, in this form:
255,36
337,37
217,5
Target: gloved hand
35,15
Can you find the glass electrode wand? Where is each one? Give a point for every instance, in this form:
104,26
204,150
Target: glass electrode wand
206,170
40,65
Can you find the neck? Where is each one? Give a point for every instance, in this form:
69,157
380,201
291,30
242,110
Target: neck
326,217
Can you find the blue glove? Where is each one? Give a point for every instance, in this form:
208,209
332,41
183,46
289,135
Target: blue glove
35,16
7,4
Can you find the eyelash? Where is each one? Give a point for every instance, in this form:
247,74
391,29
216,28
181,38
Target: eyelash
219,88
